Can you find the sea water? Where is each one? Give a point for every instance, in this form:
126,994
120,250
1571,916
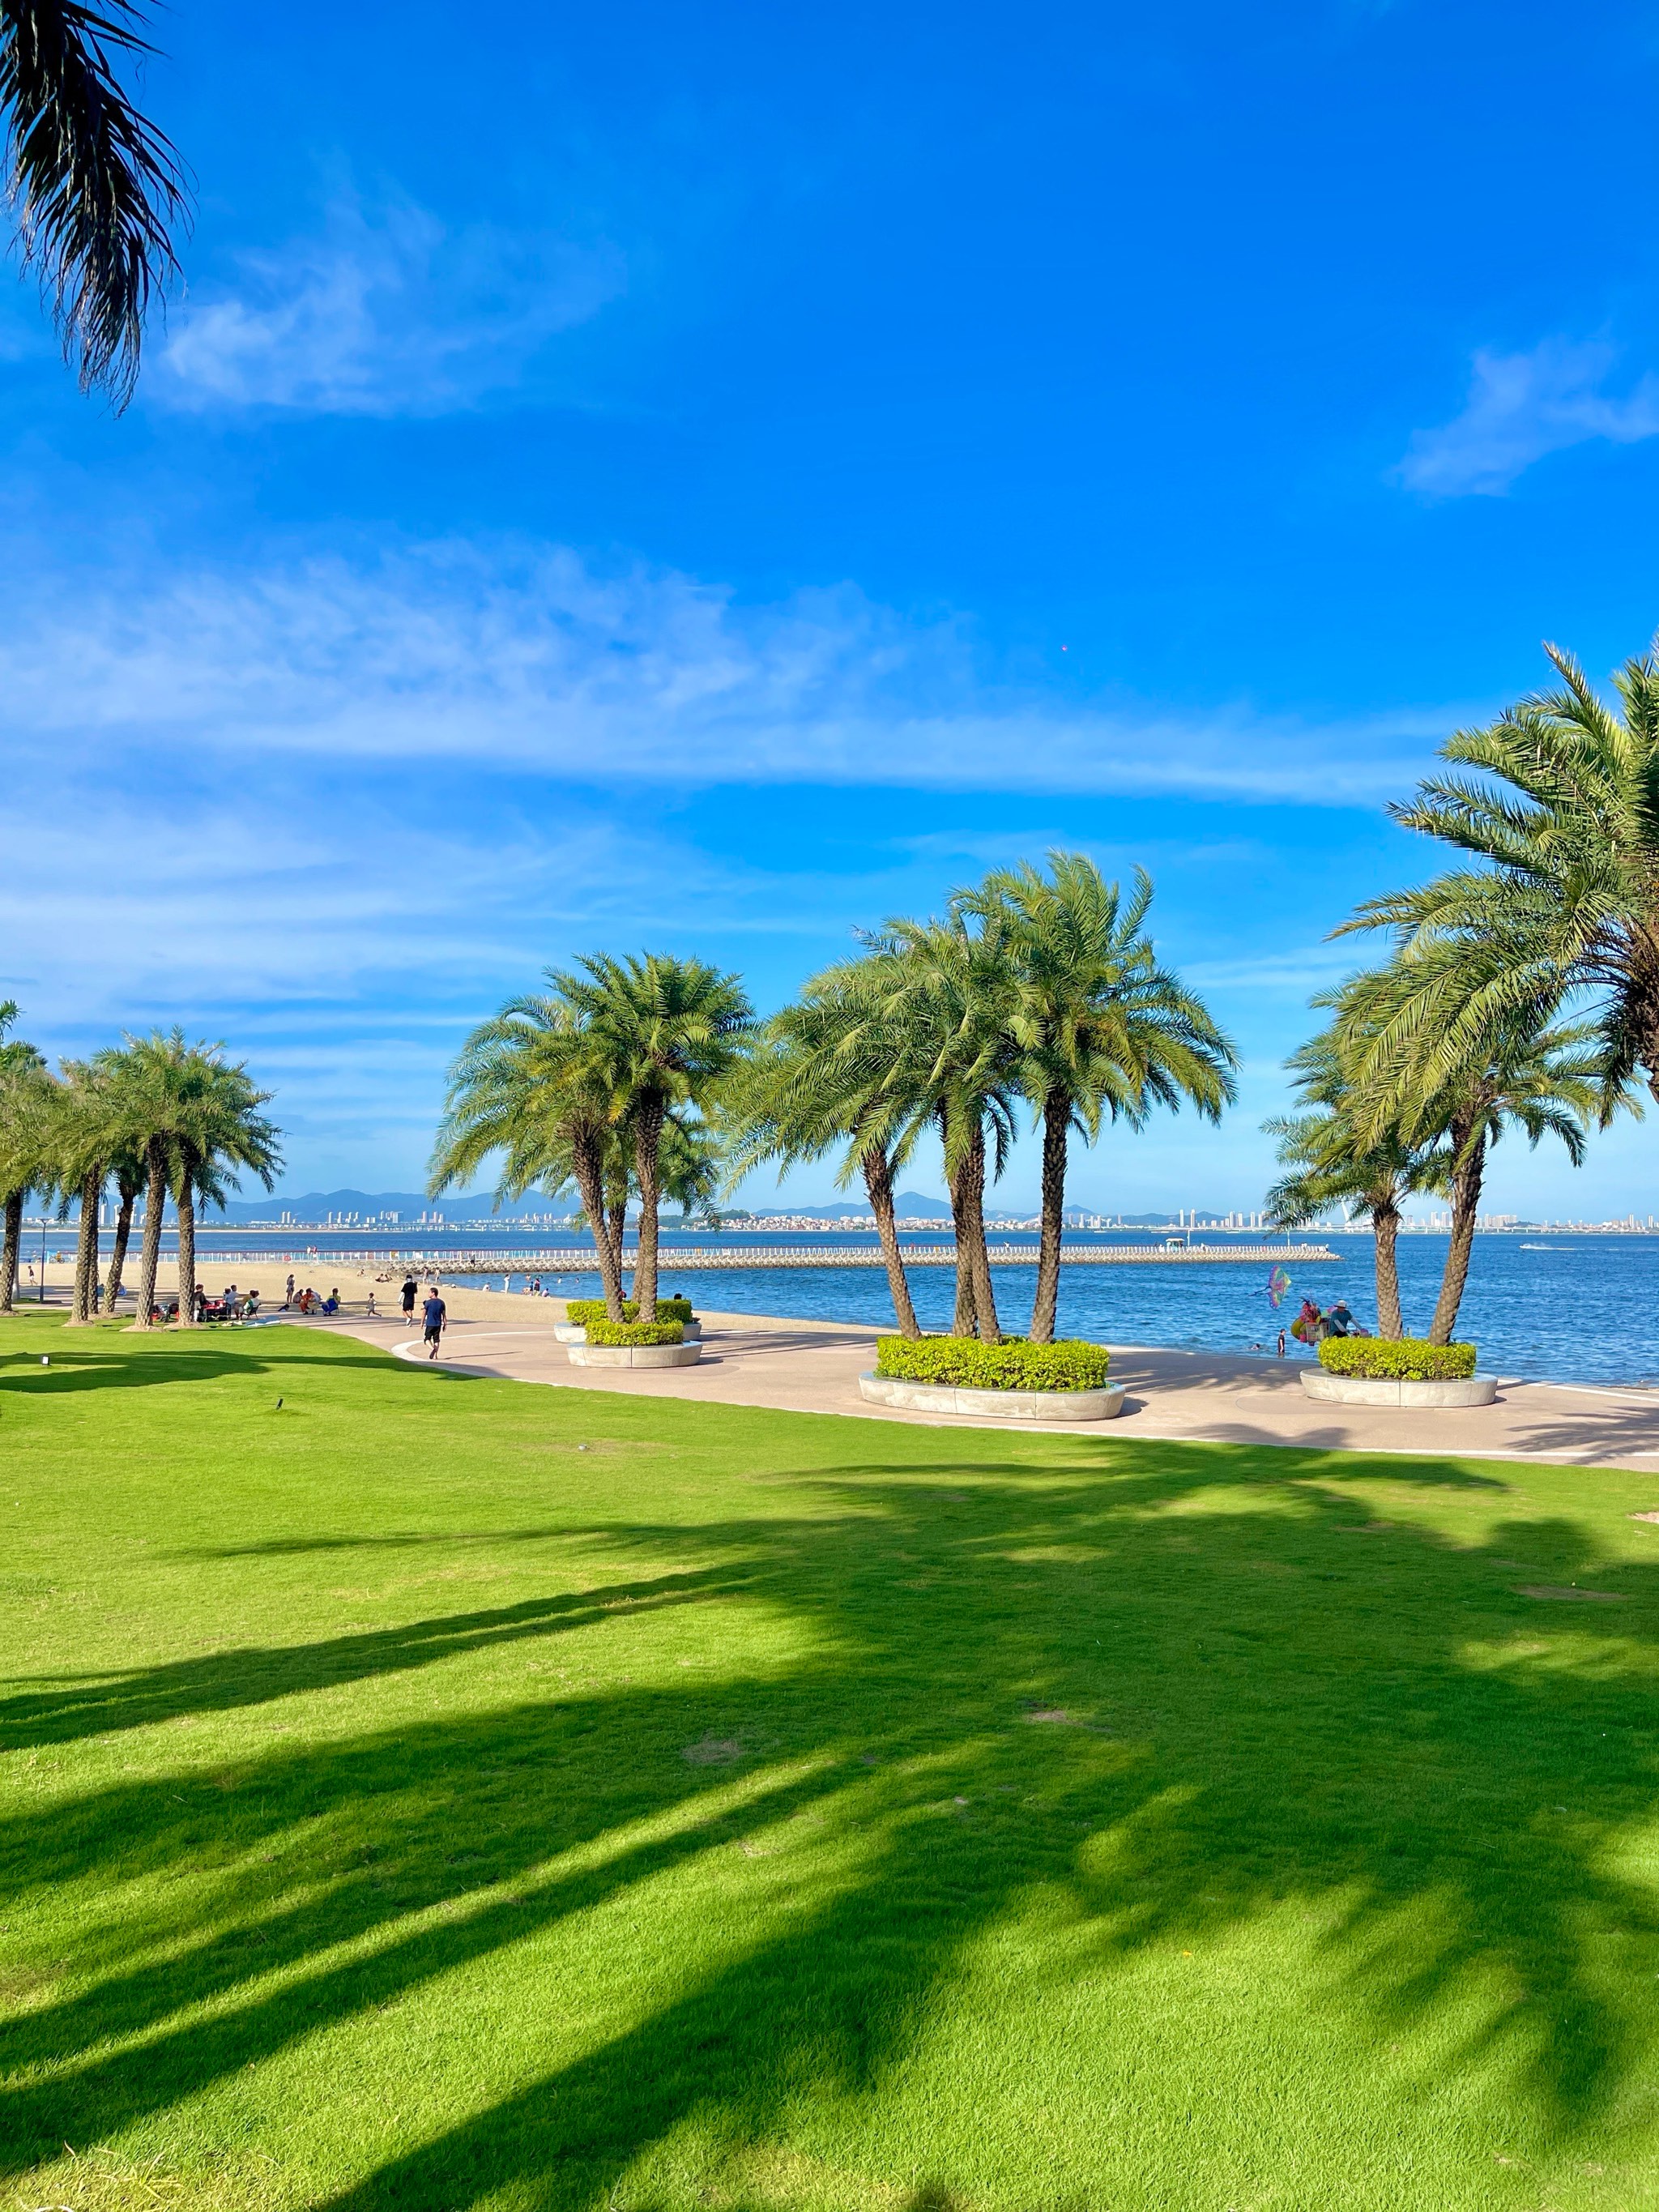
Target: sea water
1560,1307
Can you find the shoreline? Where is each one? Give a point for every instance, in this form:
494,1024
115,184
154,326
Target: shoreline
533,1315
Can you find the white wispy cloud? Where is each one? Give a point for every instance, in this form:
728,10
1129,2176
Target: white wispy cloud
389,311
529,660
1524,405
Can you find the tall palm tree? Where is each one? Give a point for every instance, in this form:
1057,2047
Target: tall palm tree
194,1119
1097,1030
1560,814
940,995
83,1137
1513,1073
1331,1157
96,189
828,1074
523,1087
26,1087
221,1136
127,1170
661,1033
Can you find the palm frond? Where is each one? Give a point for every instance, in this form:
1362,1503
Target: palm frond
98,191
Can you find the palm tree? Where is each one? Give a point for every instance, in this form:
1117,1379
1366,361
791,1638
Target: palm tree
525,1086
939,997
828,1074
81,1143
220,1135
1332,1159
193,1118
127,1168
1097,1030
659,1034
26,1088
96,189
1561,814
1546,1081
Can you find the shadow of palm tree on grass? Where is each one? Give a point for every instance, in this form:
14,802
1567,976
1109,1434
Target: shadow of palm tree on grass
1169,1702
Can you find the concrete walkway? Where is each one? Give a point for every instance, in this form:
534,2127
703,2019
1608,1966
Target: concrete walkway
813,1367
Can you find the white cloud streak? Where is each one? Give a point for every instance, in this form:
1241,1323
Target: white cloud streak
529,661
1521,406
387,313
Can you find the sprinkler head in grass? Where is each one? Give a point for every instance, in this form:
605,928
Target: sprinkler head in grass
279,1404
46,1359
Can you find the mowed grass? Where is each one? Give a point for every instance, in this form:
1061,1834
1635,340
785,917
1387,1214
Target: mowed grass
439,1793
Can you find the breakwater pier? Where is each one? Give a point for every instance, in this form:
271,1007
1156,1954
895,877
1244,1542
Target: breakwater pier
581,1260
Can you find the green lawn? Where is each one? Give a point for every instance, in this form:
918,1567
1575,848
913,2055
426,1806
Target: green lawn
439,1793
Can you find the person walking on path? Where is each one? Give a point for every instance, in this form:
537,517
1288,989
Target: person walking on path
410,1288
434,1313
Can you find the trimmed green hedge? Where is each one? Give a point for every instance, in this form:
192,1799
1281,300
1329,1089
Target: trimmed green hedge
1401,1359
579,1312
634,1332
963,1363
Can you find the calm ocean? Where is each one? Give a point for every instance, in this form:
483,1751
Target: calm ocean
1573,1309
1565,1308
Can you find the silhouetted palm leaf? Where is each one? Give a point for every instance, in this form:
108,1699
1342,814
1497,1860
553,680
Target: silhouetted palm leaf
97,190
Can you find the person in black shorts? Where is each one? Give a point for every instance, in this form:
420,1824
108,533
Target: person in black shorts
433,1313
408,1297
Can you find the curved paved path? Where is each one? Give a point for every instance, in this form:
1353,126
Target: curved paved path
813,1367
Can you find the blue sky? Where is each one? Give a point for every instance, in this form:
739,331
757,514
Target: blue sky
707,478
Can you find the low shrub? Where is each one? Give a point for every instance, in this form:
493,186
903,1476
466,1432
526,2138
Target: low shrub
634,1331
1399,1359
579,1312
963,1363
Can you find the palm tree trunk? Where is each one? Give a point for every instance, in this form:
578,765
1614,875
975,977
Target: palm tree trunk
186,1204
967,1203
1057,1121
149,1251
965,1320
1466,1204
11,1249
1385,1220
86,1249
615,1228
879,1182
647,1170
587,1158
118,1258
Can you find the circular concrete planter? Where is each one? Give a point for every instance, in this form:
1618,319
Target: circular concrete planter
1001,1405
570,1332
635,1355
1377,1390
